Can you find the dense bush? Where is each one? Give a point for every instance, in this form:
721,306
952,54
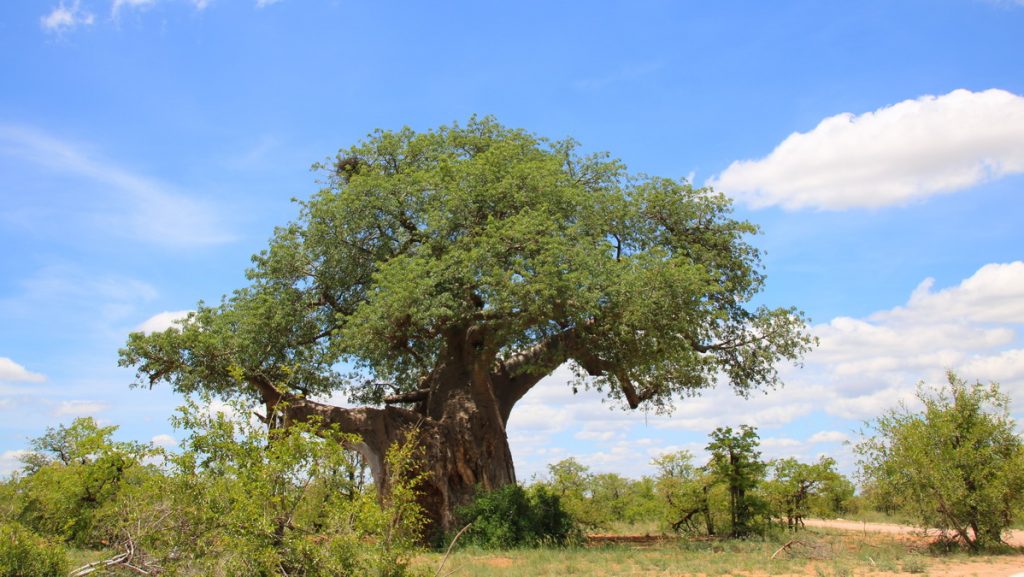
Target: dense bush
235,499
25,554
959,462
72,477
516,517
241,500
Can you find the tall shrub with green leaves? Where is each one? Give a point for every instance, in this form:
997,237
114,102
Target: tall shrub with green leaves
25,554
736,463
239,500
796,489
959,461
512,517
686,493
72,477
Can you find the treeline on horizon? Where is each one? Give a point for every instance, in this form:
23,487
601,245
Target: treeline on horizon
237,498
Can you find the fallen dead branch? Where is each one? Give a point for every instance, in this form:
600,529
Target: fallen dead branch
815,550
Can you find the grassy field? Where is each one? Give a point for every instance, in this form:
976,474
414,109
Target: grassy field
812,553
808,553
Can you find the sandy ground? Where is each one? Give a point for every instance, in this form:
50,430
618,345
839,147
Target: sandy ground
995,566
1013,538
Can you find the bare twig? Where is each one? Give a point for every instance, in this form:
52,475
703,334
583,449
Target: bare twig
449,551
784,547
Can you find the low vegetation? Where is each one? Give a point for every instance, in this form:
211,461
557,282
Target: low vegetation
237,499
957,465
240,498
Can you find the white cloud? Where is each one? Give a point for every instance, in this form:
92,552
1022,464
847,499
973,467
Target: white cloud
972,327
201,4
10,461
991,295
80,408
536,417
905,152
863,367
145,208
828,437
265,3
595,435
160,322
164,440
779,442
116,7
69,298
63,18
12,372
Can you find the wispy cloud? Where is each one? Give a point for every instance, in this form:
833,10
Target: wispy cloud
627,73
79,408
265,3
66,17
905,152
12,372
147,210
118,5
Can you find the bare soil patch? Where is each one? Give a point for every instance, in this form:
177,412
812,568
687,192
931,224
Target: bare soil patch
1012,538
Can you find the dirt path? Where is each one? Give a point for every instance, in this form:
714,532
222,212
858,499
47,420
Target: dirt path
1013,538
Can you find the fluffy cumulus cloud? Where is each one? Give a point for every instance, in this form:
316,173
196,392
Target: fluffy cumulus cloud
828,437
972,328
161,321
66,17
79,408
164,440
12,372
862,367
905,152
10,461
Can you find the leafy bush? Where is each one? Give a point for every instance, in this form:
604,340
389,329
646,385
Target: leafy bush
516,517
25,554
72,477
959,462
239,500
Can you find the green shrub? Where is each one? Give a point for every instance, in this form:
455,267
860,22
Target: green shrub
25,554
516,517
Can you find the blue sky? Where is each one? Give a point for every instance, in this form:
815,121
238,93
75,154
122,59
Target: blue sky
149,147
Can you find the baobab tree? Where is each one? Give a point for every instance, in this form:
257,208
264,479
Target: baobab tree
438,276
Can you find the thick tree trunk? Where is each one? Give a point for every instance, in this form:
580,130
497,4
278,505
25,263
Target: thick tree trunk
458,426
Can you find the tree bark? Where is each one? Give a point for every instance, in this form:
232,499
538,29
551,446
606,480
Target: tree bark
458,428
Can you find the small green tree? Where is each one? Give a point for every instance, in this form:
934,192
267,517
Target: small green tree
642,503
836,496
685,491
736,462
572,481
72,475
959,461
795,488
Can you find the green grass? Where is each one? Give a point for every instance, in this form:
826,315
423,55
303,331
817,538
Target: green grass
821,553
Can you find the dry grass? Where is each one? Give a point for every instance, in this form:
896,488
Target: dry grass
810,554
